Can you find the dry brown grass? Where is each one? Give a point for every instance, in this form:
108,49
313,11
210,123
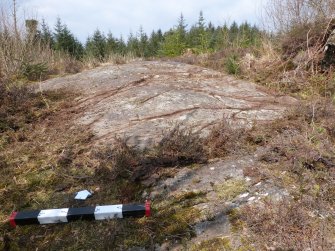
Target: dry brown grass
45,161
287,225
298,156
179,147
24,56
224,140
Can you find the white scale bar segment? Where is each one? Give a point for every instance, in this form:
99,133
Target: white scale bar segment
108,212
51,216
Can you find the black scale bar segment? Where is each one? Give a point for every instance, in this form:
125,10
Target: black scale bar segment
133,211
81,213
27,217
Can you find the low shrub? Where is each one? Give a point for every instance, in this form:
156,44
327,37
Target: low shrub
34,71
180,147
232,65
224,139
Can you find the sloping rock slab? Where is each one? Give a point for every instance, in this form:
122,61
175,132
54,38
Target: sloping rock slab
140,100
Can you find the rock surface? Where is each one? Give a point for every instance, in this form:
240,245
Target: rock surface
140,100
225,187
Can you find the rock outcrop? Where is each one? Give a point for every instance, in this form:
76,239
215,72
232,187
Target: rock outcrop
142,99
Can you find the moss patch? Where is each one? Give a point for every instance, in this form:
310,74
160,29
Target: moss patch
213,244
230,189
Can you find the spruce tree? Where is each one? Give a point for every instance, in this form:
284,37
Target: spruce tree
46,34
66,42
181,28
96,46
143,43
121,46
133,44
173,44
111,44
202,33
233,33
155,40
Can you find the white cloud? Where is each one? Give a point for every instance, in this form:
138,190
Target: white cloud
123,16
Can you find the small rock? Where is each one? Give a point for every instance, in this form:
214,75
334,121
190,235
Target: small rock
144,194
252,198
83,195
244,195
212,168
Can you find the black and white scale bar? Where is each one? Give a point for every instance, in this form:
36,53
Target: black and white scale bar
64,215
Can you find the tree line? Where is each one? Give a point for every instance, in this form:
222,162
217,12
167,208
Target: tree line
201,37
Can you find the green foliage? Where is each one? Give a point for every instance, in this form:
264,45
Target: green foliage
46,34
142,43
97,46
66,42
230,189
154,43
232,65
218,243
201,37
34,71
173,44
133,44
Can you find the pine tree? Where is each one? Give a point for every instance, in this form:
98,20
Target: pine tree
66,42
222,37
96,46
172,45
111,44
155,40
181,28
233,33
201,21
46,34
133,44
202,37
143,43
121,46
199,36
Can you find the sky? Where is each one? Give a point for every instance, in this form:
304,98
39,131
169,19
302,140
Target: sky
121,17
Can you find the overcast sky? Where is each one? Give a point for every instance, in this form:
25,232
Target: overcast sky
124,16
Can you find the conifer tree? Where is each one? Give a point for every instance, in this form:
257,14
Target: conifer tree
133,44
121,46
96,46
155,41
203,35
111,44
46,34
233,33
181,28
65,41
143,43
173,44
